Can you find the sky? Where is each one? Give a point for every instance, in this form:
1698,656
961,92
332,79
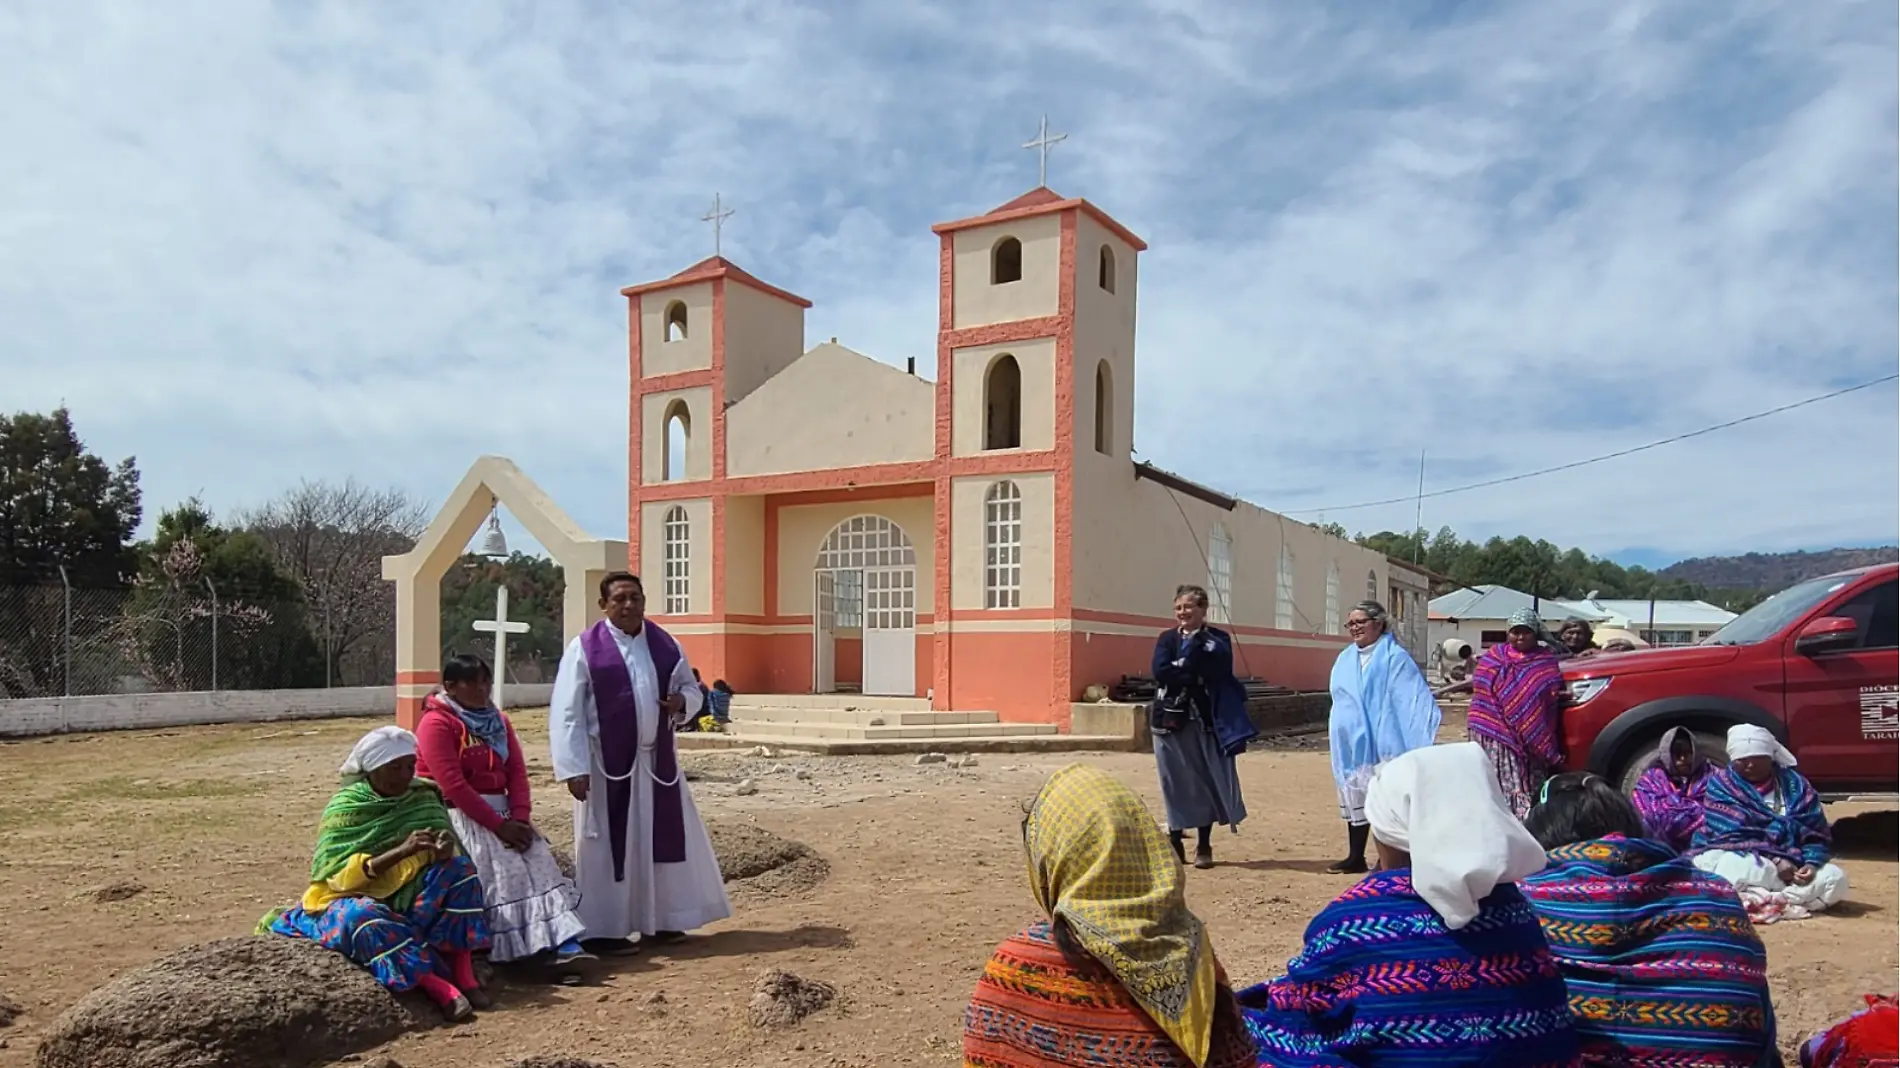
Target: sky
252,243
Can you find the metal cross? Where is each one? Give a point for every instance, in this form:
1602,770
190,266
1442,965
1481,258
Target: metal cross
500,626
1042,143
718,219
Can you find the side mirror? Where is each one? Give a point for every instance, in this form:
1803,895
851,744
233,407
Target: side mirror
1826,635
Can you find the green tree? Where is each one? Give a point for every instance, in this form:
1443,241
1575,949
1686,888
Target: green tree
535,586
194,575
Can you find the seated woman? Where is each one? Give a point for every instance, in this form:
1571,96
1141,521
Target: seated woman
1120,972
1763,829
469,749
1663,967
1669,793
388,888
1435,959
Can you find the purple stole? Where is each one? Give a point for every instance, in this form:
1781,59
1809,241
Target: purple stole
620,742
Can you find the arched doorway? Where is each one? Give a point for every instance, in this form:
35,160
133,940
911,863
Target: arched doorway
865,585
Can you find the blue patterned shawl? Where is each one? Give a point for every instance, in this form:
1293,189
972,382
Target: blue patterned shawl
1382,983
1736,818
1663,966
1383,712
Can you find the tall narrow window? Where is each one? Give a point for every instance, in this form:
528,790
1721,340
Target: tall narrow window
1003,546
676,321
1372,585
1332,598
1104,409
1106,274
676,541
679,435
1220,575
1006,261
1003,404
1283,591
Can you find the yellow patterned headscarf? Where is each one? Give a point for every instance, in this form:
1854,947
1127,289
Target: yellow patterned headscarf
1098,862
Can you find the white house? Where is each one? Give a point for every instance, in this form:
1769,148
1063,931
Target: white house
1477,615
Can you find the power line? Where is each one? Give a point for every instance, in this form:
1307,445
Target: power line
1606,456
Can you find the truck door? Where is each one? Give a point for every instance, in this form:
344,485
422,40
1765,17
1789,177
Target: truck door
1843,706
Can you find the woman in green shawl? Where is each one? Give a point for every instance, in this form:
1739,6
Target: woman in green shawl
388,887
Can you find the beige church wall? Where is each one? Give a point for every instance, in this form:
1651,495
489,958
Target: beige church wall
653,408
968,497
764,335
796,422
659,356
1091,300
745,556
802,530
699,559
1037,360
1102,332
1034,295
1132,547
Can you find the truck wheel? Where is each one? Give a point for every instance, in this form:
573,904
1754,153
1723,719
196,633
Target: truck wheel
1713,746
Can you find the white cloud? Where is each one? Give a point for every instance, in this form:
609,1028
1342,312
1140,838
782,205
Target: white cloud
253,242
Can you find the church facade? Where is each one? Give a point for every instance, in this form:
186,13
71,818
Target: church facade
818,521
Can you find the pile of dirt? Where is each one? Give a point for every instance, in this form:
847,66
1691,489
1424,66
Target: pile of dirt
10,1010
559,1062
236,1003
125,890
757,863
782,999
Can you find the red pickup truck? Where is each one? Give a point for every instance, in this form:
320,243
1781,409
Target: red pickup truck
1818,664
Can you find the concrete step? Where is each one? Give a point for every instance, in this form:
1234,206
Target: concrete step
1019,743
860,717
830,702
840,731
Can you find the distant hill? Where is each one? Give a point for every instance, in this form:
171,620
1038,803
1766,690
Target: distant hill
1771,572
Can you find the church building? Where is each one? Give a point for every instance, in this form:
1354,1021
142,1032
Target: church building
817,521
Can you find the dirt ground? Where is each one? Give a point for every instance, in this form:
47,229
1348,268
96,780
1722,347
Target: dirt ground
115,848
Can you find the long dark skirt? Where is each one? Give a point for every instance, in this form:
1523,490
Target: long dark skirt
1199,784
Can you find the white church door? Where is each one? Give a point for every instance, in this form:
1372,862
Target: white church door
874,558
890,631
824,643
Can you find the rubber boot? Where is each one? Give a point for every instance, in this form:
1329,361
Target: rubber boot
1355,862
1204,848
1180,847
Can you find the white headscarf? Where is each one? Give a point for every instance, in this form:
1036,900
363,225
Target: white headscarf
1444,807
377,748
1747,740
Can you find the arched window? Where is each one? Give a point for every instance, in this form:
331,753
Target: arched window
676,321
1283,590
1006,261
1104,409
1220,575
1332,598
1106,275
1372,585
676,541
1003,546
679,434
1003,404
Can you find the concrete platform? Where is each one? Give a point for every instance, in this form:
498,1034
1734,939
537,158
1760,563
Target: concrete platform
1036,743
840,723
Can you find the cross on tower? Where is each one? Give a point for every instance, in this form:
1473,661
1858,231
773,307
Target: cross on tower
1044,139
718,219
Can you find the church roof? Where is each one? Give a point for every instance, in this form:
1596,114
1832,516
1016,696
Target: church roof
1043,201
707,270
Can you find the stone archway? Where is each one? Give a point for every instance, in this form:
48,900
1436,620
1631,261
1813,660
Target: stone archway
418,573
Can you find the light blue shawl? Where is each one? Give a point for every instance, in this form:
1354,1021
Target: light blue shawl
1380,713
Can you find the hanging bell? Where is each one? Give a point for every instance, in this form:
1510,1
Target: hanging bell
494,545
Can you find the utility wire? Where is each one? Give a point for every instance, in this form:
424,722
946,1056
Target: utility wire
1606,456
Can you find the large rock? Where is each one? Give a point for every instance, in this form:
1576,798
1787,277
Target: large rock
258,1002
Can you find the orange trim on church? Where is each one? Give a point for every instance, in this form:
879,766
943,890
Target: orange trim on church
1032,204
714,269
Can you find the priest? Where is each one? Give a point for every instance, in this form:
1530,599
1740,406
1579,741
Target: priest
642,860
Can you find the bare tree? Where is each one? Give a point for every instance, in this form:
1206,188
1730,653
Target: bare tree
333,538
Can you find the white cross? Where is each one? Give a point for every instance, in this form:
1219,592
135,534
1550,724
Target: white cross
1042,143
718,219
500,627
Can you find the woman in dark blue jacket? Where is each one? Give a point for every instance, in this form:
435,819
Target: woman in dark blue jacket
1200,723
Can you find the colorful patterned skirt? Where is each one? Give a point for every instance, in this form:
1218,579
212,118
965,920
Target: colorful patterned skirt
1517,777
399,948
